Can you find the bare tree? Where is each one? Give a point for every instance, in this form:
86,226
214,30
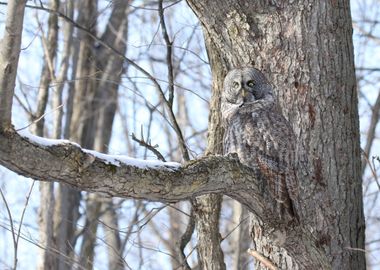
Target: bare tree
317,94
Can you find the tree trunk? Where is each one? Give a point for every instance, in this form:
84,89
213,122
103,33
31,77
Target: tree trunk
206,212
103,109
81,131
240,236
111,230
47,201
10,46
305,49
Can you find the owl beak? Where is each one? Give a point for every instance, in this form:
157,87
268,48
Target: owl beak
244,93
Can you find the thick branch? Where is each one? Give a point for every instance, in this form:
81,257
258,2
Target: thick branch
68,163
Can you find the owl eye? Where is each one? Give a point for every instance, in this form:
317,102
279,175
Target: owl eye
251,83
235,84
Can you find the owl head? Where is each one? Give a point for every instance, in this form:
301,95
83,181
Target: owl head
246,85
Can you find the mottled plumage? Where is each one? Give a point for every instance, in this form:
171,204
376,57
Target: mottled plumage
256,130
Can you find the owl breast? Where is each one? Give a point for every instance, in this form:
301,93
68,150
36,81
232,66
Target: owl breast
264,141
236,136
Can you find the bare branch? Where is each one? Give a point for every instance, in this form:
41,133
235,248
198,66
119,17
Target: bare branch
371,132
12,229
169,53
148,146
186,237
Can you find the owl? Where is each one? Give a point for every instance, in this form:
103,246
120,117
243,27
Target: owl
259,134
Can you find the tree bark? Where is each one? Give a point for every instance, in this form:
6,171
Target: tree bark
207,212
208,207
305,49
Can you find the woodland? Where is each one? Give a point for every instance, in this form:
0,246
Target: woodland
111,142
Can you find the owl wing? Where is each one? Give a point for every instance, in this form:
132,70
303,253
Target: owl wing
271,140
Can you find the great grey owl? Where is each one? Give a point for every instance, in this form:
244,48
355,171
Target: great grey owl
256,130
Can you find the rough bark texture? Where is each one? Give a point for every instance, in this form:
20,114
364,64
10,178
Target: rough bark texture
305,49
207,212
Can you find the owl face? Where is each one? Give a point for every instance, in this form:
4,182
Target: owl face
245,85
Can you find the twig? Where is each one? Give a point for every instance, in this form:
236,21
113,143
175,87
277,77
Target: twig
186,236
99,40
169,102
169,53
12,229
372,169
367,69
233,229
371,133
23,214
154,9
266,262
39,118
357,249
148,146
52,251
23,106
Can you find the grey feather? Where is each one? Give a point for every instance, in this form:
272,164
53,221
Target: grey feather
256,130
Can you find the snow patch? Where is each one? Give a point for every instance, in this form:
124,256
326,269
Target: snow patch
43,141
116,160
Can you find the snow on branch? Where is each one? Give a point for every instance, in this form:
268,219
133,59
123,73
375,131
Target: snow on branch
116,160
63,161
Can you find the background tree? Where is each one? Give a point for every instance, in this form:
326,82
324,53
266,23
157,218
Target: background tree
316,92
